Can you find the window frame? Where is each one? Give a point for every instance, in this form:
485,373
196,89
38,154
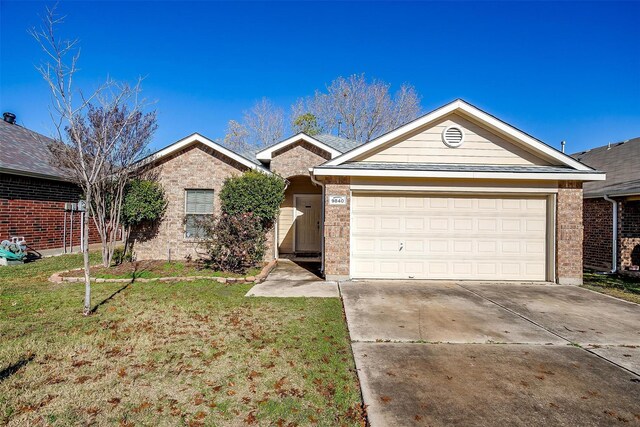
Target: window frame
187,213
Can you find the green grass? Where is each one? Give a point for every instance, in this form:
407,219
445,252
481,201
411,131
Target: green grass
187,353
619,286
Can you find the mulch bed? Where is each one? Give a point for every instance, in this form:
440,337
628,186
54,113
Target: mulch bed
151,268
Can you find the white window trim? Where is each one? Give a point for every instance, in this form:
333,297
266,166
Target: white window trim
184,231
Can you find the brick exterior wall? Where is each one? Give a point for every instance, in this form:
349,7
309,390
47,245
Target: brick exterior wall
337,229
195,167
598,233
297,158
33,208
569,233
628,233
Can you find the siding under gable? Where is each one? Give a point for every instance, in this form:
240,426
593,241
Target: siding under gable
480,147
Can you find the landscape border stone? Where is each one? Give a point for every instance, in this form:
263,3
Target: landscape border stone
58,278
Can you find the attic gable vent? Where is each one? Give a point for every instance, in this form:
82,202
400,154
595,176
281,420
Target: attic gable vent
453,136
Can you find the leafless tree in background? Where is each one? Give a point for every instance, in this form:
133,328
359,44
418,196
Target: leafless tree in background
237,137
362,110
100,136
261,126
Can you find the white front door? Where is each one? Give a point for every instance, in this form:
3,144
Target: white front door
308,211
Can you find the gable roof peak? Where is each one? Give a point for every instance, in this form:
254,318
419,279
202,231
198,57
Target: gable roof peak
487,120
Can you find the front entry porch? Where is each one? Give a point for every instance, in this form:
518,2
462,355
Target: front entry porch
299,231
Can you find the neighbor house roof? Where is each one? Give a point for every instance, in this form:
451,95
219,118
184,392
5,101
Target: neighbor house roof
25,152
621,162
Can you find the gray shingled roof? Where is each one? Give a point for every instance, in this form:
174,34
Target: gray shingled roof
23,151
337,143
441,167
621,162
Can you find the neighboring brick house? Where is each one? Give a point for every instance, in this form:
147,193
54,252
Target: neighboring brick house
34,193
612,207
455,194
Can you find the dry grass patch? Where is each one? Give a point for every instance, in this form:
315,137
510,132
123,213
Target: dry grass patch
623,287
194,353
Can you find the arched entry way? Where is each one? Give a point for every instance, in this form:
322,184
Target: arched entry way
300,221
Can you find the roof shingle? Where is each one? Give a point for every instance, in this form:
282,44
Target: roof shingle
23,151
621,162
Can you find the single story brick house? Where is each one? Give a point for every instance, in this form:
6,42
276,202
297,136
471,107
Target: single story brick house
455,194
612,207
37,201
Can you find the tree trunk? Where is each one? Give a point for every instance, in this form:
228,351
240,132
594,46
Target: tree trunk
85,255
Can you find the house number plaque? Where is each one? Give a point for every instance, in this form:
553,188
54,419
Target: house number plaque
337,200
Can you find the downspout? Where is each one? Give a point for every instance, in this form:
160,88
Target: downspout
614,233
315,181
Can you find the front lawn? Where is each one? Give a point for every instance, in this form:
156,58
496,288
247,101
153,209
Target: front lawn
619,286
153,269
193,353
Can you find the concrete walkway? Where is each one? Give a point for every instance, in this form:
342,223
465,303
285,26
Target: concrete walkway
290,279
460,353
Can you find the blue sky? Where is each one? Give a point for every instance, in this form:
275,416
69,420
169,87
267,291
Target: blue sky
563,70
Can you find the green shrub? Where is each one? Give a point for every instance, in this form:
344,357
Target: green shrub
144,200
253,192
234,243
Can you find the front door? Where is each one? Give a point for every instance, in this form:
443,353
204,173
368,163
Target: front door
307,222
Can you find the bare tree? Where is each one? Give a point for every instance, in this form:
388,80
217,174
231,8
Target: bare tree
237,137
99,137
362,110
261,126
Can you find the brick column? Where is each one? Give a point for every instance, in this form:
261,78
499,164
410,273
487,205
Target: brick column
337,230
569,232
628,233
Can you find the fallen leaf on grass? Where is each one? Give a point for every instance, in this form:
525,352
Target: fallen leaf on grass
144,405
114,401
83,379
122,372
251,418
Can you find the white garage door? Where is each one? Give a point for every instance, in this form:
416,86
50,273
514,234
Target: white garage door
431,237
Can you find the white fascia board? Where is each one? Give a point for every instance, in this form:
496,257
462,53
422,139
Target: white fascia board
461,174
372,145
470,110
207,142
266,154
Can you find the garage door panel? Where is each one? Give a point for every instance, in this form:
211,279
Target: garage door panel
501,238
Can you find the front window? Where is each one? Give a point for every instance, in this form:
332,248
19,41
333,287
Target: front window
198,206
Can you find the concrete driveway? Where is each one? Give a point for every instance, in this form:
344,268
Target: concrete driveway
443,353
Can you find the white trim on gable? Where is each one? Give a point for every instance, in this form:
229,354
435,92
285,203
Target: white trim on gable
267,154
195,138
486,119
577,176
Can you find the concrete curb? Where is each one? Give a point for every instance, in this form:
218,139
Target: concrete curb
58,278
